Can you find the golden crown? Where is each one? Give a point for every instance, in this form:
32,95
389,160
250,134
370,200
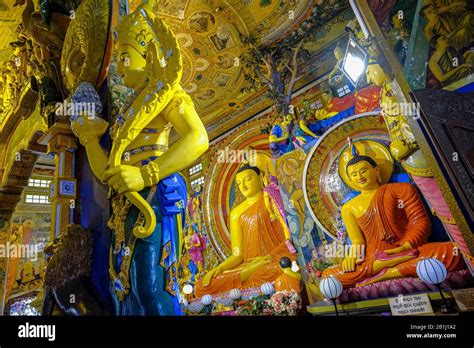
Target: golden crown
137,27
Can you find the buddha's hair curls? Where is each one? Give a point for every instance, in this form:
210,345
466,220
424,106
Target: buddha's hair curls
360,158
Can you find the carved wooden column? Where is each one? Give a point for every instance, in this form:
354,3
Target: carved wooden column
62,142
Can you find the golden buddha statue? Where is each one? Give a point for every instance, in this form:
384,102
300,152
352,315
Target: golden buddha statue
391,222
258,243
149,61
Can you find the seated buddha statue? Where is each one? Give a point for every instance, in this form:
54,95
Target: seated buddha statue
258,242
390,220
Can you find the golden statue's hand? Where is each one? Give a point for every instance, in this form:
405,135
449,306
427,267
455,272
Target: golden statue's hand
349,264
124,178
89,129
404,247
209,275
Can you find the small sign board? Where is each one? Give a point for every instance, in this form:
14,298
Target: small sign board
464,298
417,304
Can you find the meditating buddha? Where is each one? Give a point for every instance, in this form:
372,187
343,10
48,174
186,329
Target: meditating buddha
258,242
390,220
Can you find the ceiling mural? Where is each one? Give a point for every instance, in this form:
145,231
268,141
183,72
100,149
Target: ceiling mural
10,17
210,35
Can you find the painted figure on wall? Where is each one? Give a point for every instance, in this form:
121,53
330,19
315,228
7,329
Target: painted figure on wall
446,64
399,36
148,197
390,220
336,78
454,21
258,243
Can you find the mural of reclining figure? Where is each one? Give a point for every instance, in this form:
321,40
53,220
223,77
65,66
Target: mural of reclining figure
391,222
258,242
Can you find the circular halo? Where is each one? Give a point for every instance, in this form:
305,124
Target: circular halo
374,149
323,188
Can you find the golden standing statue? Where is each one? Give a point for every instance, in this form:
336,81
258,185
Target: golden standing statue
150,63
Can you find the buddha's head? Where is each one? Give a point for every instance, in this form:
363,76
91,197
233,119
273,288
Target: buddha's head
363,173
134,34
248,180
375,74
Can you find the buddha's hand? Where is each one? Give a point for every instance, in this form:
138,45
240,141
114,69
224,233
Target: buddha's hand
349,264
209,275
404,247
124,178
89,129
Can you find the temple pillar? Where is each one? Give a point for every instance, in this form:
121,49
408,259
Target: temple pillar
62,142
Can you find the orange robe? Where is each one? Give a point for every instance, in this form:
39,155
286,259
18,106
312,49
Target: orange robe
260,237
396,215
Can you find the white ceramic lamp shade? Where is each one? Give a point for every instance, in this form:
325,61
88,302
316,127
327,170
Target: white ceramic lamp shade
431,271
188,289
267,288
330,287
206,300
235,294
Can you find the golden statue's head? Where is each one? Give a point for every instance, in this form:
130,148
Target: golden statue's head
148,51
134,34
375,74
363,173
248,180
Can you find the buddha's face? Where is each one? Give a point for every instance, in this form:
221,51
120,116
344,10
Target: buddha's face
248,182
363,176
131,64
375,75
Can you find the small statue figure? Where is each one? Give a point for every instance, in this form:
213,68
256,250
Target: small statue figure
336,76
301,135
280,137
68,272
196,244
